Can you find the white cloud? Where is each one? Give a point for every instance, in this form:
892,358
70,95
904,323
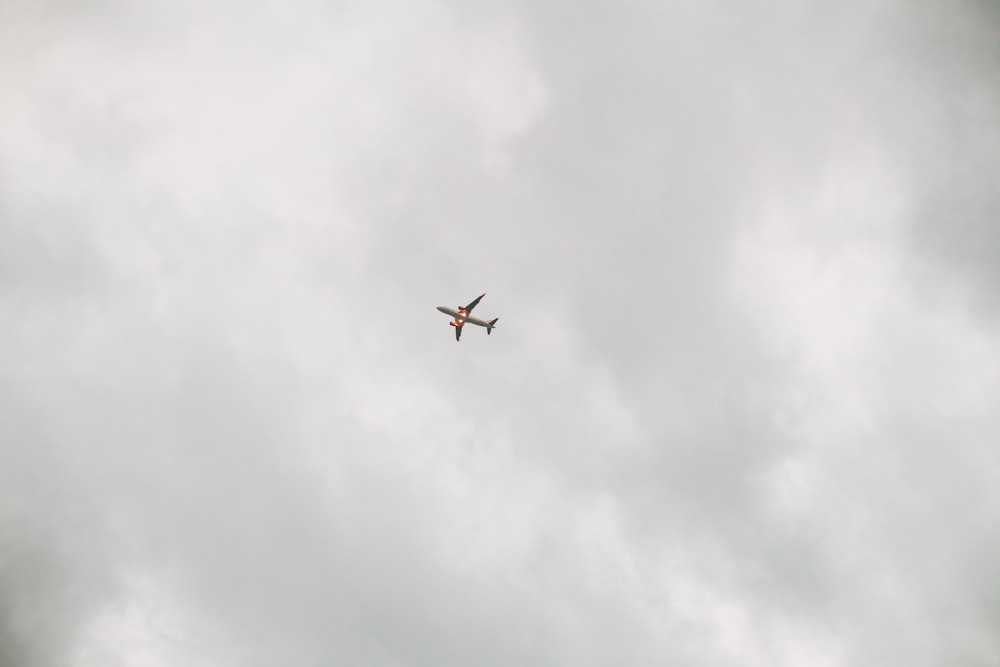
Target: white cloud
739,408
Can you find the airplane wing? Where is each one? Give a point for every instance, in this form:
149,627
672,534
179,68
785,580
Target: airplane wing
474,303
458,332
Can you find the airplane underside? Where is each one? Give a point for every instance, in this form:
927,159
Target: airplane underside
461,317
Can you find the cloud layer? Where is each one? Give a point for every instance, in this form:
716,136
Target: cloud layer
739,410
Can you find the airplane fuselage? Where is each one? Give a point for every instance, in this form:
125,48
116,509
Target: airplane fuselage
462,318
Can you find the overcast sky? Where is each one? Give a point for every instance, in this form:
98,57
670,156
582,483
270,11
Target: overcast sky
742,406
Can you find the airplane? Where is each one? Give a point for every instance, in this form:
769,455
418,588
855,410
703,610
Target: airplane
462,314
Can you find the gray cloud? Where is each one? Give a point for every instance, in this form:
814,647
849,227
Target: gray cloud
739,409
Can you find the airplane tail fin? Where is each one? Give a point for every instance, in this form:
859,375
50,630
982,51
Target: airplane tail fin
490,324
